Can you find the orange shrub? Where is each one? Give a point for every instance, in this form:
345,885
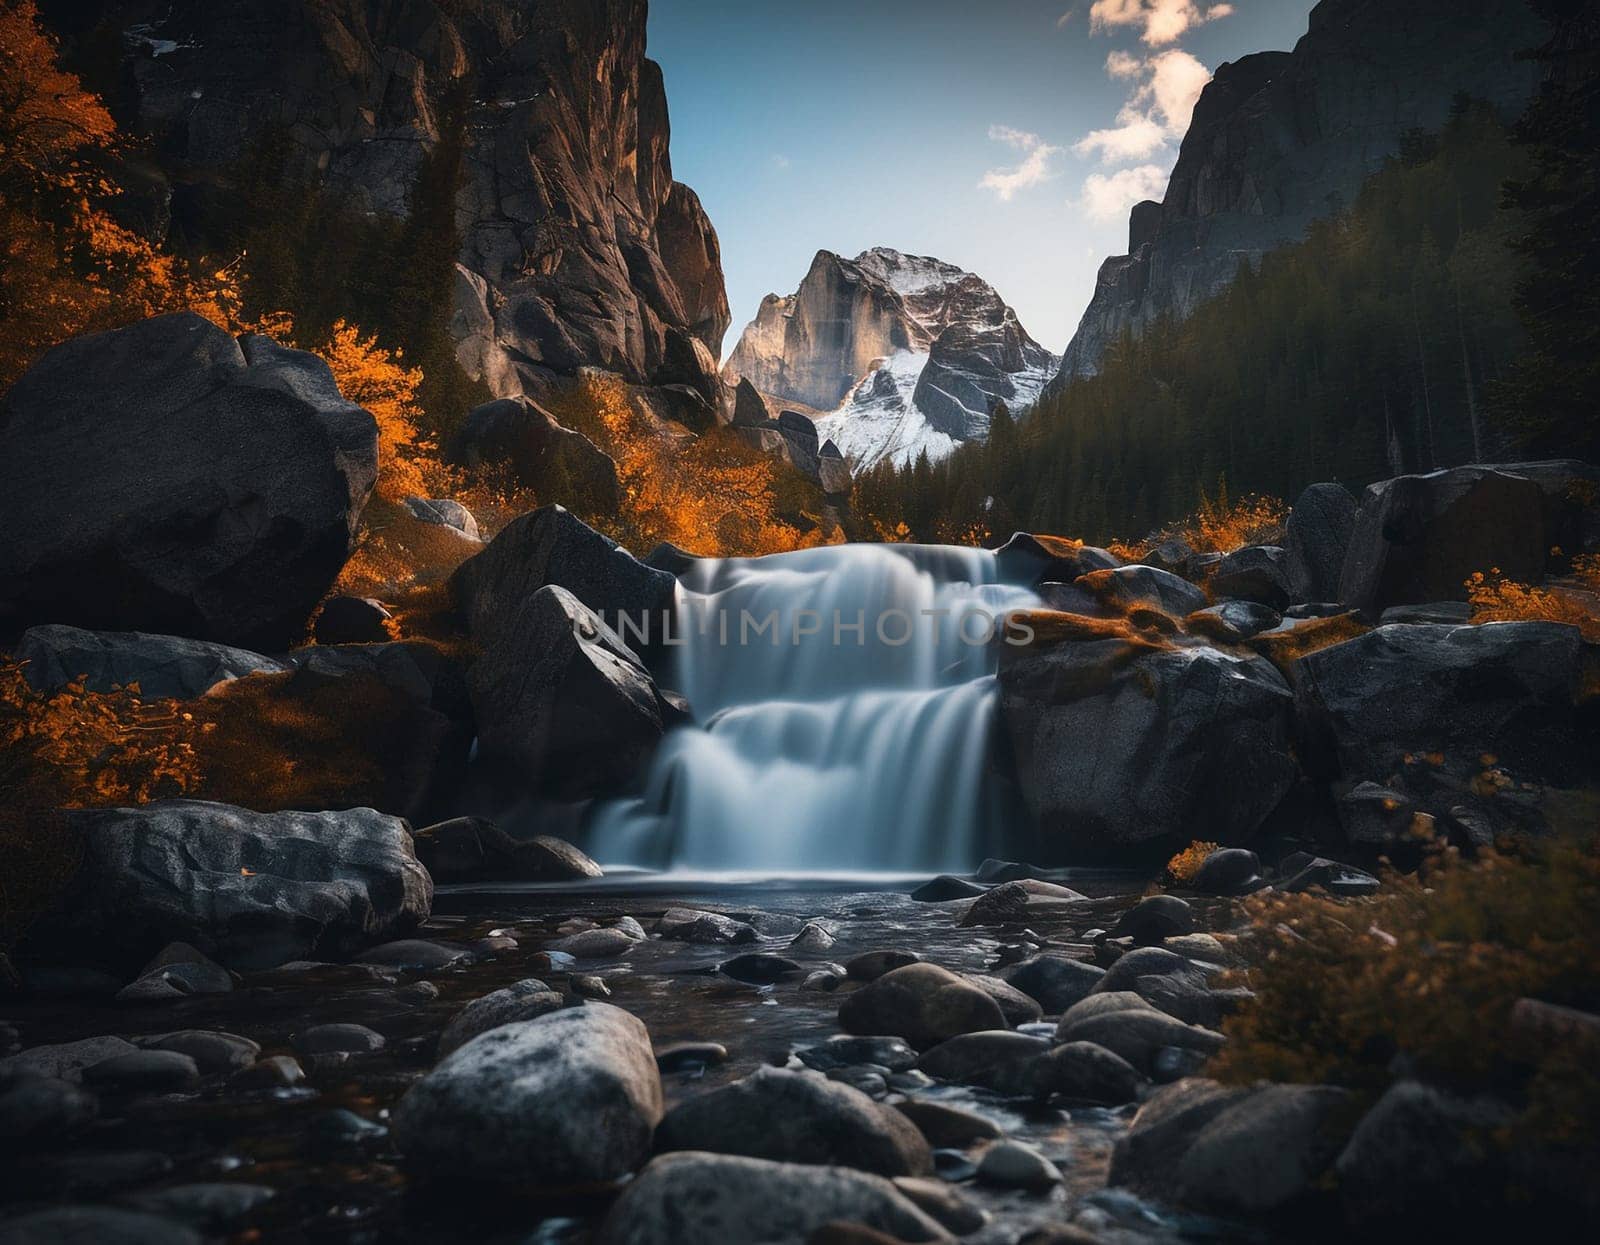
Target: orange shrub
1183,867
1496,599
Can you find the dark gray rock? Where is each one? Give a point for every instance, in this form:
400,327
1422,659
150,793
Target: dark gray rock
1128,586
272,1073
212,1052
696,926
1147,1155
940,1201
165,478
525,1000
95,1225
833,470
39,1112
1018,1007
412,955
475,849
1233,622
143,1072
211,1207
64,1060
1014,1164
163,666
1056,981
562,701
797,1117
945,1125
550,546
843,1051
352,620
997,1059
750,409
1418,538
343,1038
251,889
1264,1153
1451,612
972,369
1154,918
1138,1035
870,965
923,1003
521,436
1115,750
689,1056
944,888
570,1098
1422,1160
1228,871
799,433
1256,573
1103,1005
1147,962
1037,560
759,969
1316,538
812,937
1087,1072
1502,688
682,1198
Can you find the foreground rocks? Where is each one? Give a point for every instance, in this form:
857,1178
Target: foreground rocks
251,890
166,478
568,1099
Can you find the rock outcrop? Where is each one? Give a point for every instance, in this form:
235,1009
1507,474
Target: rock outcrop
166,478
909,354
1280,139
577,246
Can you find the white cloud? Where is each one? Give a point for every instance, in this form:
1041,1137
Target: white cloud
1156,114
1033,168
1066,17
1160,22
1109,196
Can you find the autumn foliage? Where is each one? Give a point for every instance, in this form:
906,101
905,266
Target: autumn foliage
1575,602
1183,867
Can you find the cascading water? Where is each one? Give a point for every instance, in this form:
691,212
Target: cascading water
844,699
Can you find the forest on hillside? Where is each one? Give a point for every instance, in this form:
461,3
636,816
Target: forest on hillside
1436,321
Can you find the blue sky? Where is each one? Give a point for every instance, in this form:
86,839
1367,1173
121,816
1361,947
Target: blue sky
1007,137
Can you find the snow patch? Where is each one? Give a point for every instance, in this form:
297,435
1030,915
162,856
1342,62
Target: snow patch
878,420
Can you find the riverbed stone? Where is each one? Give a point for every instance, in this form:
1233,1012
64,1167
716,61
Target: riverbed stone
475,849
1087,1072
1147,1155
525,1000
1228,871
923,1003
1016,1164
688,1198
1137,1036
870,965
335,1038
797,1117
1148,962
845,1050
1056,981
95,1225
412,954
694,925
1018,1007
143,1072
1266,1151
944,888
213,1052
41,1111
596,944
944,1125
758,968
569,1098
1154,918
1000,1060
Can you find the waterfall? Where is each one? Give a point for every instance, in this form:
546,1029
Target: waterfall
844,699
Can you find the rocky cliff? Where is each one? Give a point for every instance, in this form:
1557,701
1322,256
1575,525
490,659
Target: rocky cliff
578,248
903,353
1280,139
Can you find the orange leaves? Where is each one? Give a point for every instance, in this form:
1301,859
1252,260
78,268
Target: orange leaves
378,379
77,748
45,114
1495,599
1183,867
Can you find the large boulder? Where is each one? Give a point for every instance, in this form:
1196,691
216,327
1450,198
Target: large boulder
1418,538
1316,538
1030,559
520,435
923,1003
1125,587
1256,573
799,433
694,1198
1458,693
163,666
750,409
1146,1157
1117,750
570,1098
797,1117
251,890
551,546
164,477
562,701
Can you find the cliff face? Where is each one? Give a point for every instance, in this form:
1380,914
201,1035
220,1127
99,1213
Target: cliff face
908,353
578,248
1280,139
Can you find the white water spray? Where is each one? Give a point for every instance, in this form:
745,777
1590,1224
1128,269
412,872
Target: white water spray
844,699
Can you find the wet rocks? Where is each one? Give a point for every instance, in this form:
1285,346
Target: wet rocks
844,1051
272,1073
164,477
1117,749
1000,1060
1018,1007
693,925
1257,573
690,1056
42,1110
336,1038
1142,962
211,1051
1128,586
797,1117
1148,1154
870,965
1056,981
143,1072
1027,558
1013,903
945,887
945,1125
1138,1036
758,969
1154,918
1087,1072
1303,871
1265,1152
64,1060
447,513
596,944
923,1003
1015,1164
251,889
812,937
102,1225
475,849
570,1098
352,620
526,1000
163,666
683,1198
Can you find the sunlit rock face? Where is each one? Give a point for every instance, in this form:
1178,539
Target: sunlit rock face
578,247
1280,139
900,354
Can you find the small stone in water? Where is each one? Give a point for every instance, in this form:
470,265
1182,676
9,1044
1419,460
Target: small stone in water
143,1072
590,987
871,965
1017,1165
273,1072
676,1055
953,1165
822,980
339,1038
417,992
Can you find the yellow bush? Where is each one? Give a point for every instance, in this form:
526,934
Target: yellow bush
1183,867
1496,599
